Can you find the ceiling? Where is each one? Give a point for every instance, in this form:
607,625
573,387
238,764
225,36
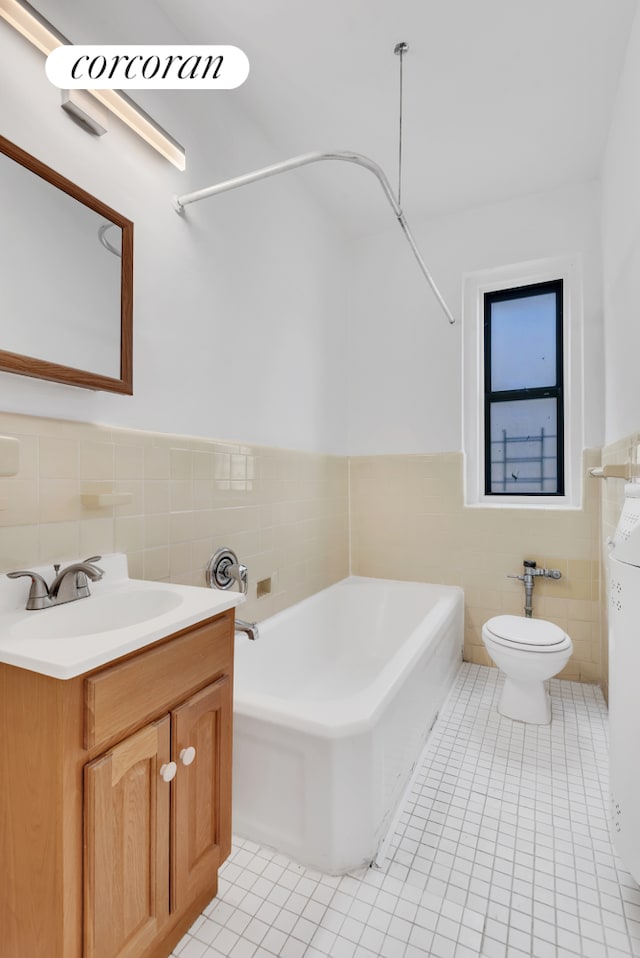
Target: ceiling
501,97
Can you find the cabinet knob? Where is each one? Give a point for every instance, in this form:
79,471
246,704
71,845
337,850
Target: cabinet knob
168,771
187,755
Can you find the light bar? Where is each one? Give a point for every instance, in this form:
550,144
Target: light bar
135,117
27,21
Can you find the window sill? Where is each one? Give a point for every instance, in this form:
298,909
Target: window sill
559,503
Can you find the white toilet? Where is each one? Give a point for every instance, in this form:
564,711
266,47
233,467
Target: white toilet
528,651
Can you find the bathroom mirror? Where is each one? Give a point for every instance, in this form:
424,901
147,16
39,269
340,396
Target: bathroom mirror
66,279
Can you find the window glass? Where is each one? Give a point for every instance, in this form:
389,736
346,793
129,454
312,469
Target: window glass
524,424
523,342
524,446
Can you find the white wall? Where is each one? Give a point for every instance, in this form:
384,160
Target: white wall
405,359
621,251
240,310
239,307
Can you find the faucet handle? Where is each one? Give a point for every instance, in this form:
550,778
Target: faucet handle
38,592
16,575
243,579
37,582
92,559
223,569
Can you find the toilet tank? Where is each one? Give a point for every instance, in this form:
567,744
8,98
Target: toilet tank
623,595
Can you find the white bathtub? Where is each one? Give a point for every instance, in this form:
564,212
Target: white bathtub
333,705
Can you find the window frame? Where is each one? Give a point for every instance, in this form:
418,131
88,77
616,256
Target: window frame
556,391
475,285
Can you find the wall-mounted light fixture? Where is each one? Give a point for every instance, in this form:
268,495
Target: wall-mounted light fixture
27,21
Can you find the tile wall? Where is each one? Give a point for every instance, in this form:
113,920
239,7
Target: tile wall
612,498
408,521
287,516
284,513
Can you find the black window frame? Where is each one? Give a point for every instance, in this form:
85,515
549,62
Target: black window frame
540,392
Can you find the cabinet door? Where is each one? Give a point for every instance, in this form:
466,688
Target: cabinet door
127,845
201,810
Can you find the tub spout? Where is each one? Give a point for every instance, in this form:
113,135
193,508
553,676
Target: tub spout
251,628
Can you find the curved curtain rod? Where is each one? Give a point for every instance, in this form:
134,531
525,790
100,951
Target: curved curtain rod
104,239
181,201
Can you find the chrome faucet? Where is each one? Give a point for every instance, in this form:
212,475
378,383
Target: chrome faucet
69,584
223,569
38,597
239,574
249,628
530,571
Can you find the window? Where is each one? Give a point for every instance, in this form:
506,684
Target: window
522,379
523,391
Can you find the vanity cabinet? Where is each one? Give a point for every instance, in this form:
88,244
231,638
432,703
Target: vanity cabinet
127,845
156,801
115,806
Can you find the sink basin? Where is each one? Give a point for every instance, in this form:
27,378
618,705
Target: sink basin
98,613
122,615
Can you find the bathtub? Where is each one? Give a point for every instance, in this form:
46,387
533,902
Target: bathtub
333,705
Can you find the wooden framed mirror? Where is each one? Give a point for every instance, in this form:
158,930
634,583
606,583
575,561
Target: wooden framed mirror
66,279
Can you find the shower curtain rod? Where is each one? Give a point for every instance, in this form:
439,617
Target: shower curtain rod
181,201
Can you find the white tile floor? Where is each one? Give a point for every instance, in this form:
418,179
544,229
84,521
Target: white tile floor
502,851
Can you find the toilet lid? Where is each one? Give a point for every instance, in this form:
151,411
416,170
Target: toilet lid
529,633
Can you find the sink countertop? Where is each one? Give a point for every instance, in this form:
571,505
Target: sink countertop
57,652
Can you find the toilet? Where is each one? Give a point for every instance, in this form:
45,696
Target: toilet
528,651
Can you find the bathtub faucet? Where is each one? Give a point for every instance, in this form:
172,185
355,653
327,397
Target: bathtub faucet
531,570
250,628
238,572
222,571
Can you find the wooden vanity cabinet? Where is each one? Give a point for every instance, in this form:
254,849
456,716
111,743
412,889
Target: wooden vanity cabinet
126,903
107,849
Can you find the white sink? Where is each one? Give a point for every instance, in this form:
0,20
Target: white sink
98,613
121,616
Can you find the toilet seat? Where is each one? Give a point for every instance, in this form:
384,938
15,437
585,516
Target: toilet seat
527,635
